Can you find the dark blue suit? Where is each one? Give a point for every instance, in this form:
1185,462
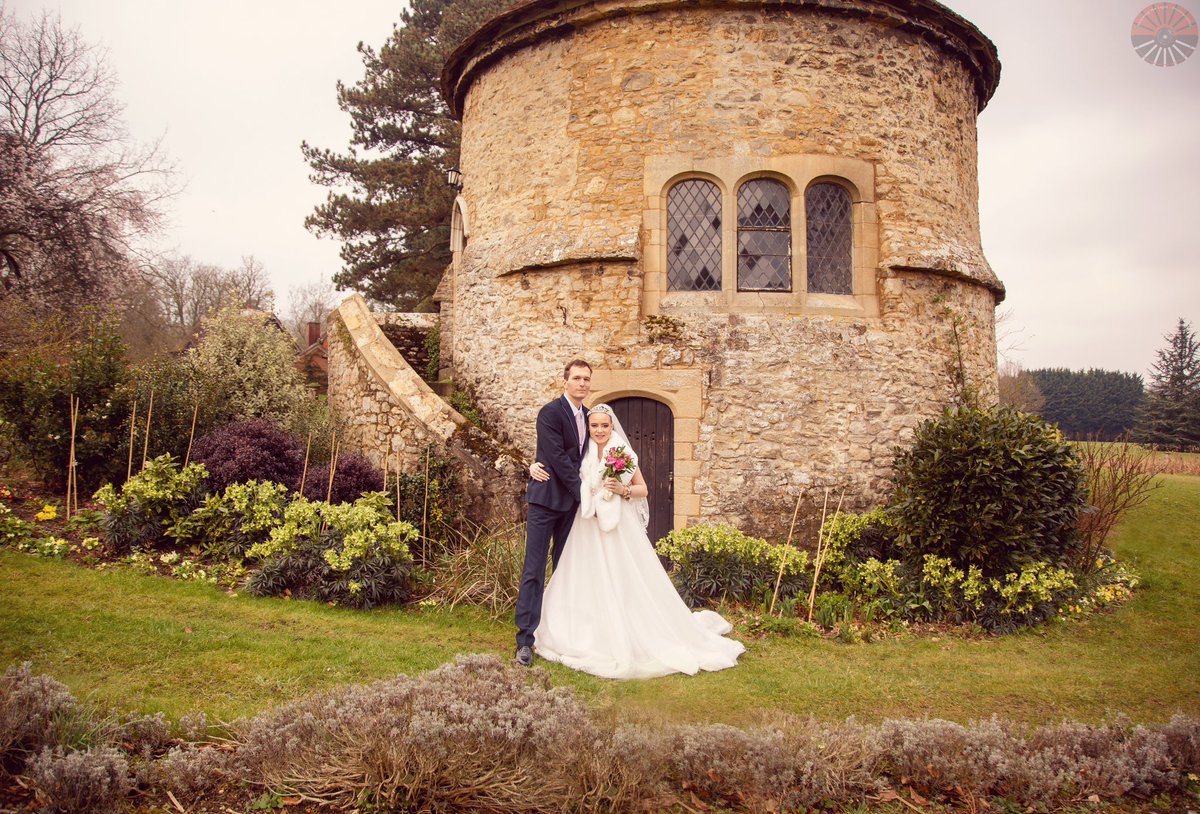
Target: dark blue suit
552,506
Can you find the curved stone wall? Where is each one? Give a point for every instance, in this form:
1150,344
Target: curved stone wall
391,416
576,119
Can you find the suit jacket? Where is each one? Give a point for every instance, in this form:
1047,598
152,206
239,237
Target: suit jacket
558,450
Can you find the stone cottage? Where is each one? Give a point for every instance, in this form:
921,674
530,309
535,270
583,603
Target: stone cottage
757,219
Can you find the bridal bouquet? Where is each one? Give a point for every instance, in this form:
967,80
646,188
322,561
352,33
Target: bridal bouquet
618,463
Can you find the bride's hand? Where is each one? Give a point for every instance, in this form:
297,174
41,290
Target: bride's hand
614,485
538,472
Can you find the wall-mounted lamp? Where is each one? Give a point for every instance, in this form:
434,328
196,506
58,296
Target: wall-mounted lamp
454,178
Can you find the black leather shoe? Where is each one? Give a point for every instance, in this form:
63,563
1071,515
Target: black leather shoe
525,655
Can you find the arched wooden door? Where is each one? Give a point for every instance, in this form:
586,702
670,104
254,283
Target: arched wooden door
651,430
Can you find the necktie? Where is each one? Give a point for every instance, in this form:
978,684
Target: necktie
579,427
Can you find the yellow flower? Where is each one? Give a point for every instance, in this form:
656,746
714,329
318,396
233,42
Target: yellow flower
48,512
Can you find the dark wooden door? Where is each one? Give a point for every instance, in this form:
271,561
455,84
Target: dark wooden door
651,430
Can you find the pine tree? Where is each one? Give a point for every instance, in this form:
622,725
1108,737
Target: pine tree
1170,416
394,220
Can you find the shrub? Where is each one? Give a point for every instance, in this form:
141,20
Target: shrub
227,525
150,502
245,368
1002,604
314,424
848,539
720,562
993,488
95,780
352,554
431,501
355,476
172,384
32,712
1119,477
254,449
475,735
86,360
186,769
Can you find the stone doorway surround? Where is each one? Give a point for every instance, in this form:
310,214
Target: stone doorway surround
681,389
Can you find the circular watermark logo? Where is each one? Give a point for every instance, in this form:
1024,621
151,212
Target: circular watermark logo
1164,34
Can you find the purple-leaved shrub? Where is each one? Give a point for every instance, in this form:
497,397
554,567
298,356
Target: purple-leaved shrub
354,477
253,449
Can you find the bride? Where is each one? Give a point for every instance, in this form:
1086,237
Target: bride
610,609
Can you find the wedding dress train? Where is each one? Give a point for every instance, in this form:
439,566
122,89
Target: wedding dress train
610,609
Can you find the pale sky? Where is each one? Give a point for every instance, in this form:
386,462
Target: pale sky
1089,167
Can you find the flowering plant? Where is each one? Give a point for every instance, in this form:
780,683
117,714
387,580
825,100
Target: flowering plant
618,462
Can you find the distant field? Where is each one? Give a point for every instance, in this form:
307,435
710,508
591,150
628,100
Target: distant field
1164,463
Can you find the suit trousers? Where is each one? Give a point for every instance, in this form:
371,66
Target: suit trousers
543,525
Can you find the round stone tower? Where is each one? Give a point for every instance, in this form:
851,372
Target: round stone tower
757,220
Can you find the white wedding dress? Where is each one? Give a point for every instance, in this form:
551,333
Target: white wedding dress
610,609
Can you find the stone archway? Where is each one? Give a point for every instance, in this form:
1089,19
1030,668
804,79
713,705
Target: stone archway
651,429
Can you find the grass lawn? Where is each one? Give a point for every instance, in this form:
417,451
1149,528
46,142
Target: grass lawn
149,644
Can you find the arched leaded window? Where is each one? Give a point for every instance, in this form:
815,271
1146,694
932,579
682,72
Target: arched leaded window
830,239
764,236
694,236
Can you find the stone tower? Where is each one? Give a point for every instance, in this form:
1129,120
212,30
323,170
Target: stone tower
757,219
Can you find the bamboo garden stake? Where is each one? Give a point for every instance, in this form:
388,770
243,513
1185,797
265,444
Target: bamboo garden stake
132,424
822,550
146,440
73,413
333,459
195,412
74,462
304,472
425,510
786,551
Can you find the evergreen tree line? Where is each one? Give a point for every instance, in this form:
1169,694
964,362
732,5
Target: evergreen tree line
1090,403
1107,404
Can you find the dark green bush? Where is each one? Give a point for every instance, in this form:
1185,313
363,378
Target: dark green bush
993,488
431,501
353,554
228,524
87,360
175,395
253,449
149,503
720,562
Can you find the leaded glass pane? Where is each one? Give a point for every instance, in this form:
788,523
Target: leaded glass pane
830,239
764,204
764,236
694,236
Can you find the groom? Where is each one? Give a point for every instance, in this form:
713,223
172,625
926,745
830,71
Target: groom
561,437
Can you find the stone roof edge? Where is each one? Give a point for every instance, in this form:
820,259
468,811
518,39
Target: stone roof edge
535,20
990,282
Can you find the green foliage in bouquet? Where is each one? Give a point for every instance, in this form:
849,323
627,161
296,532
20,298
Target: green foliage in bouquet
720,562
149,503
353,554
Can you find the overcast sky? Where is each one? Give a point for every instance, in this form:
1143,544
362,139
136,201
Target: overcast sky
1089,168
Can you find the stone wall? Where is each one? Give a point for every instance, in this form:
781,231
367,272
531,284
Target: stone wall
391,415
